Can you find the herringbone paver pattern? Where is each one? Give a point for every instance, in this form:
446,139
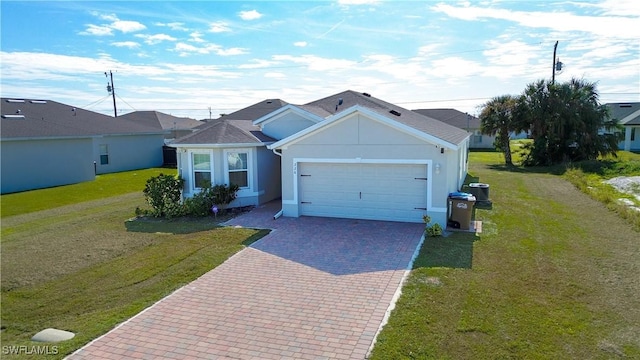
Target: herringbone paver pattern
315,288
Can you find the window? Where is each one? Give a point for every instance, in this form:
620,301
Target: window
633,134
238,168
104,154
201,165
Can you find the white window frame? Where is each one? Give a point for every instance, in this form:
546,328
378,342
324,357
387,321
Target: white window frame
105,153
249,188
192,172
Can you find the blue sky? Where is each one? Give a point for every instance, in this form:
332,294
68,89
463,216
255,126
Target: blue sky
185,57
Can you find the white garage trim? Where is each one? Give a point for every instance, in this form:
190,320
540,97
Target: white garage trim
428,163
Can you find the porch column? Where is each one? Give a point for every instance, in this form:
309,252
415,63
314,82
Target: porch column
627,138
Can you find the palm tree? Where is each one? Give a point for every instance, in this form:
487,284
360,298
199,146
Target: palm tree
566,122
497,118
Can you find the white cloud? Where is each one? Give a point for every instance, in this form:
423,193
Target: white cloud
275,75
249,15
127,26
609,26
177,26
97,30
218,27
316,63
196,37
155,39
127,44
123,26
358,2
300,43
184,49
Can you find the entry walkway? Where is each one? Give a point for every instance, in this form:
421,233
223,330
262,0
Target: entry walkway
314,288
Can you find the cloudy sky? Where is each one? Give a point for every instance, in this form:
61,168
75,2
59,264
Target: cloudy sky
193,58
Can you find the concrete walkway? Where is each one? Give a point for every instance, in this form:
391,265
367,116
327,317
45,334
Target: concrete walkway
314,288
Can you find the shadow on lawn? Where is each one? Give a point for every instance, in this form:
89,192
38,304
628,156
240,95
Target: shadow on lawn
453,251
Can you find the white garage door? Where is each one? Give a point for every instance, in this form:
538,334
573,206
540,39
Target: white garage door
363,191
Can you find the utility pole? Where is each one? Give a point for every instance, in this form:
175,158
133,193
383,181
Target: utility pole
112,90
553,68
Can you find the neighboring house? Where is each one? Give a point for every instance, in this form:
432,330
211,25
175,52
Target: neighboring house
45,143
628,115
464,121
176,127
348,155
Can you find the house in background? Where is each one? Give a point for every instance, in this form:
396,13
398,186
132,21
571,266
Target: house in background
348,155
176,127
463,121
628,115
45,143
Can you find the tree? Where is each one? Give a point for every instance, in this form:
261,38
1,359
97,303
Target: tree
566,122
497,118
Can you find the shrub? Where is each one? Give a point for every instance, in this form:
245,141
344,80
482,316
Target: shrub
223,195
431,230
163,193
201,203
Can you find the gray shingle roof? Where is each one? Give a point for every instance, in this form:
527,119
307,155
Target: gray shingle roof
168,122
225,131
327,106
46,118
452,117
622,110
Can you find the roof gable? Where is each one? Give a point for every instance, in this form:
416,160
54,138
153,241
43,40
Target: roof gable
335,104
626,113
346,113
46,119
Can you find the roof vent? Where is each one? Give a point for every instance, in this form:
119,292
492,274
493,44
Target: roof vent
625,105
38,101
15,100
394,112
269,102
13,116
366,94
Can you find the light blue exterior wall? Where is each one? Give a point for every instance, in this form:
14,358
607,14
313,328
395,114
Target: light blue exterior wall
129,152
265,173
36,164
285,125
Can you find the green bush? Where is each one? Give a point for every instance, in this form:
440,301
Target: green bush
163,193
223,195
431,230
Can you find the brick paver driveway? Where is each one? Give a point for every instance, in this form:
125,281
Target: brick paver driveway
314,288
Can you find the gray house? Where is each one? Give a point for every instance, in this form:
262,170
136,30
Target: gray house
628,114
175,127
45,143
347,155
463,121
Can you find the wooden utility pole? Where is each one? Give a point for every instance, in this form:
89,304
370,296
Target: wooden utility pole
553,68
112,90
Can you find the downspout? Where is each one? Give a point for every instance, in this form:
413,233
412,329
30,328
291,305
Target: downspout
279,213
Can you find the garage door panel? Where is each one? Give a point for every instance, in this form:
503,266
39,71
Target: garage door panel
363,191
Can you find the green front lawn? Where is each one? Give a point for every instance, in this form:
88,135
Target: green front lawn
104,186
553,275
84,268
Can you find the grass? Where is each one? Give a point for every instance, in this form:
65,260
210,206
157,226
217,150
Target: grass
104,186
552,276
84,268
